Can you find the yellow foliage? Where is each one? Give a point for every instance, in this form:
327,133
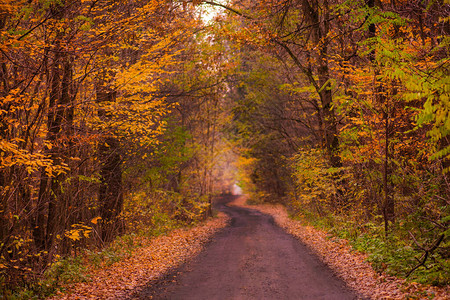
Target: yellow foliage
95,220
78,231
245,165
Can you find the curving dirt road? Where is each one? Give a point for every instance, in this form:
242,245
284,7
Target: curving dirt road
250,259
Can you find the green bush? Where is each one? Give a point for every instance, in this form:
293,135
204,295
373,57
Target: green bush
397,255
67,270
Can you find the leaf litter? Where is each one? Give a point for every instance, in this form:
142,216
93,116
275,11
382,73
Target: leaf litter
151,260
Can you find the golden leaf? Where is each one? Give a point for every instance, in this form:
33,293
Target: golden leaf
95,220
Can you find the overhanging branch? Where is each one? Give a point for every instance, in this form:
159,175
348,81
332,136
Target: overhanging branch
214,3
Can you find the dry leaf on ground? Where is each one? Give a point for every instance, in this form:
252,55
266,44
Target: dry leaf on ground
155,257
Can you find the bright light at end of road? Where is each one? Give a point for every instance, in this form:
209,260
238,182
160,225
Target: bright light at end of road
236,190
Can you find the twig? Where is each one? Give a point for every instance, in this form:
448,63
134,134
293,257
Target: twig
428,251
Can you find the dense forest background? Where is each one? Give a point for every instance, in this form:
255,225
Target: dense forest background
127,117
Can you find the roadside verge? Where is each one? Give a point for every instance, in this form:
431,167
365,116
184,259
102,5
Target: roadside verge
151,260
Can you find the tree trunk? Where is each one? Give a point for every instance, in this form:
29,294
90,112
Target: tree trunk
388,206
59,125
318,32
49,190
110,197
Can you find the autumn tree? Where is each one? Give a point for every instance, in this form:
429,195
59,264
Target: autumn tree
79,101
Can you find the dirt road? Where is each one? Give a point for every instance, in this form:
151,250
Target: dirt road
250,259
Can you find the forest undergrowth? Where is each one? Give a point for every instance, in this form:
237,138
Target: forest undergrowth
397,253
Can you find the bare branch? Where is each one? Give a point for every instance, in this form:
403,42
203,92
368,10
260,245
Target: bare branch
426,254
213,3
